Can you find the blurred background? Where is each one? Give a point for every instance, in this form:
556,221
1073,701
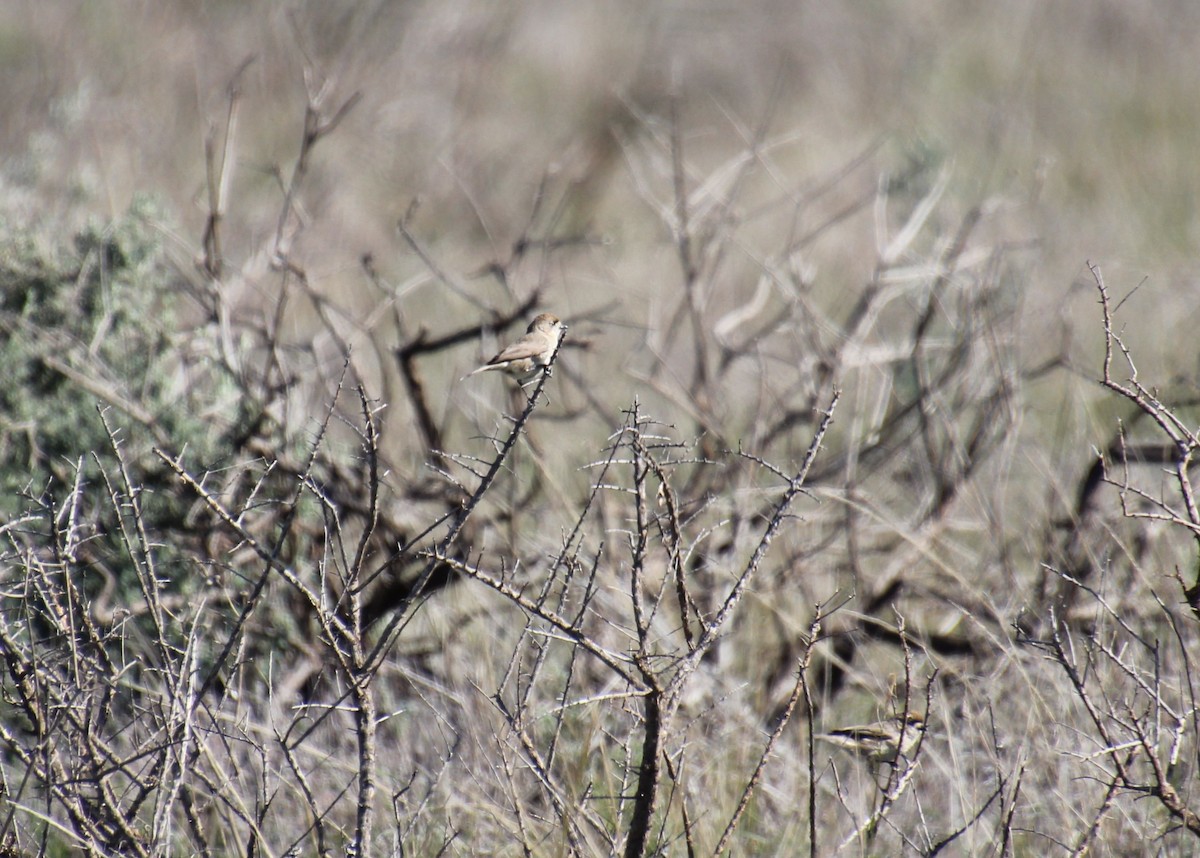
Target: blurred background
1080,120
736,206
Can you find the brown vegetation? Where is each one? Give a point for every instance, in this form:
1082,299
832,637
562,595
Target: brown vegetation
274,582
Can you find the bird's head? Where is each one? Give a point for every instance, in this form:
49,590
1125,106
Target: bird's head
547,322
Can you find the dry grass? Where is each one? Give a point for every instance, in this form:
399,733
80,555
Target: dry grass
384,629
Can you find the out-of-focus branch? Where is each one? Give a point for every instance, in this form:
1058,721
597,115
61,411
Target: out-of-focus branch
219,174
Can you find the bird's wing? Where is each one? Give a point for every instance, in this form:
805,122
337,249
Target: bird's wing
866,731
520,350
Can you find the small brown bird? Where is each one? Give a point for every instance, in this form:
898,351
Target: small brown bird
881,741
529,354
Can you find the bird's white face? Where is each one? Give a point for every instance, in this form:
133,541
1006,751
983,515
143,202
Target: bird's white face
914,726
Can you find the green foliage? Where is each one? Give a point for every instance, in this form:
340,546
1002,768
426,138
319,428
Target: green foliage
98,307
87,324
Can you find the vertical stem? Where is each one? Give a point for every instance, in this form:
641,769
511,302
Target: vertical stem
648,776
365,716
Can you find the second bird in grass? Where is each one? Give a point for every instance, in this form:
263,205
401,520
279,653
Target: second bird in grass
881,741
529,354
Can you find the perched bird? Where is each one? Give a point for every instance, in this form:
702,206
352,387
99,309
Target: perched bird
881,741
529,354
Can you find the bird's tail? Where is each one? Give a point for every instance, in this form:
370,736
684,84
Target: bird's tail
484,368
